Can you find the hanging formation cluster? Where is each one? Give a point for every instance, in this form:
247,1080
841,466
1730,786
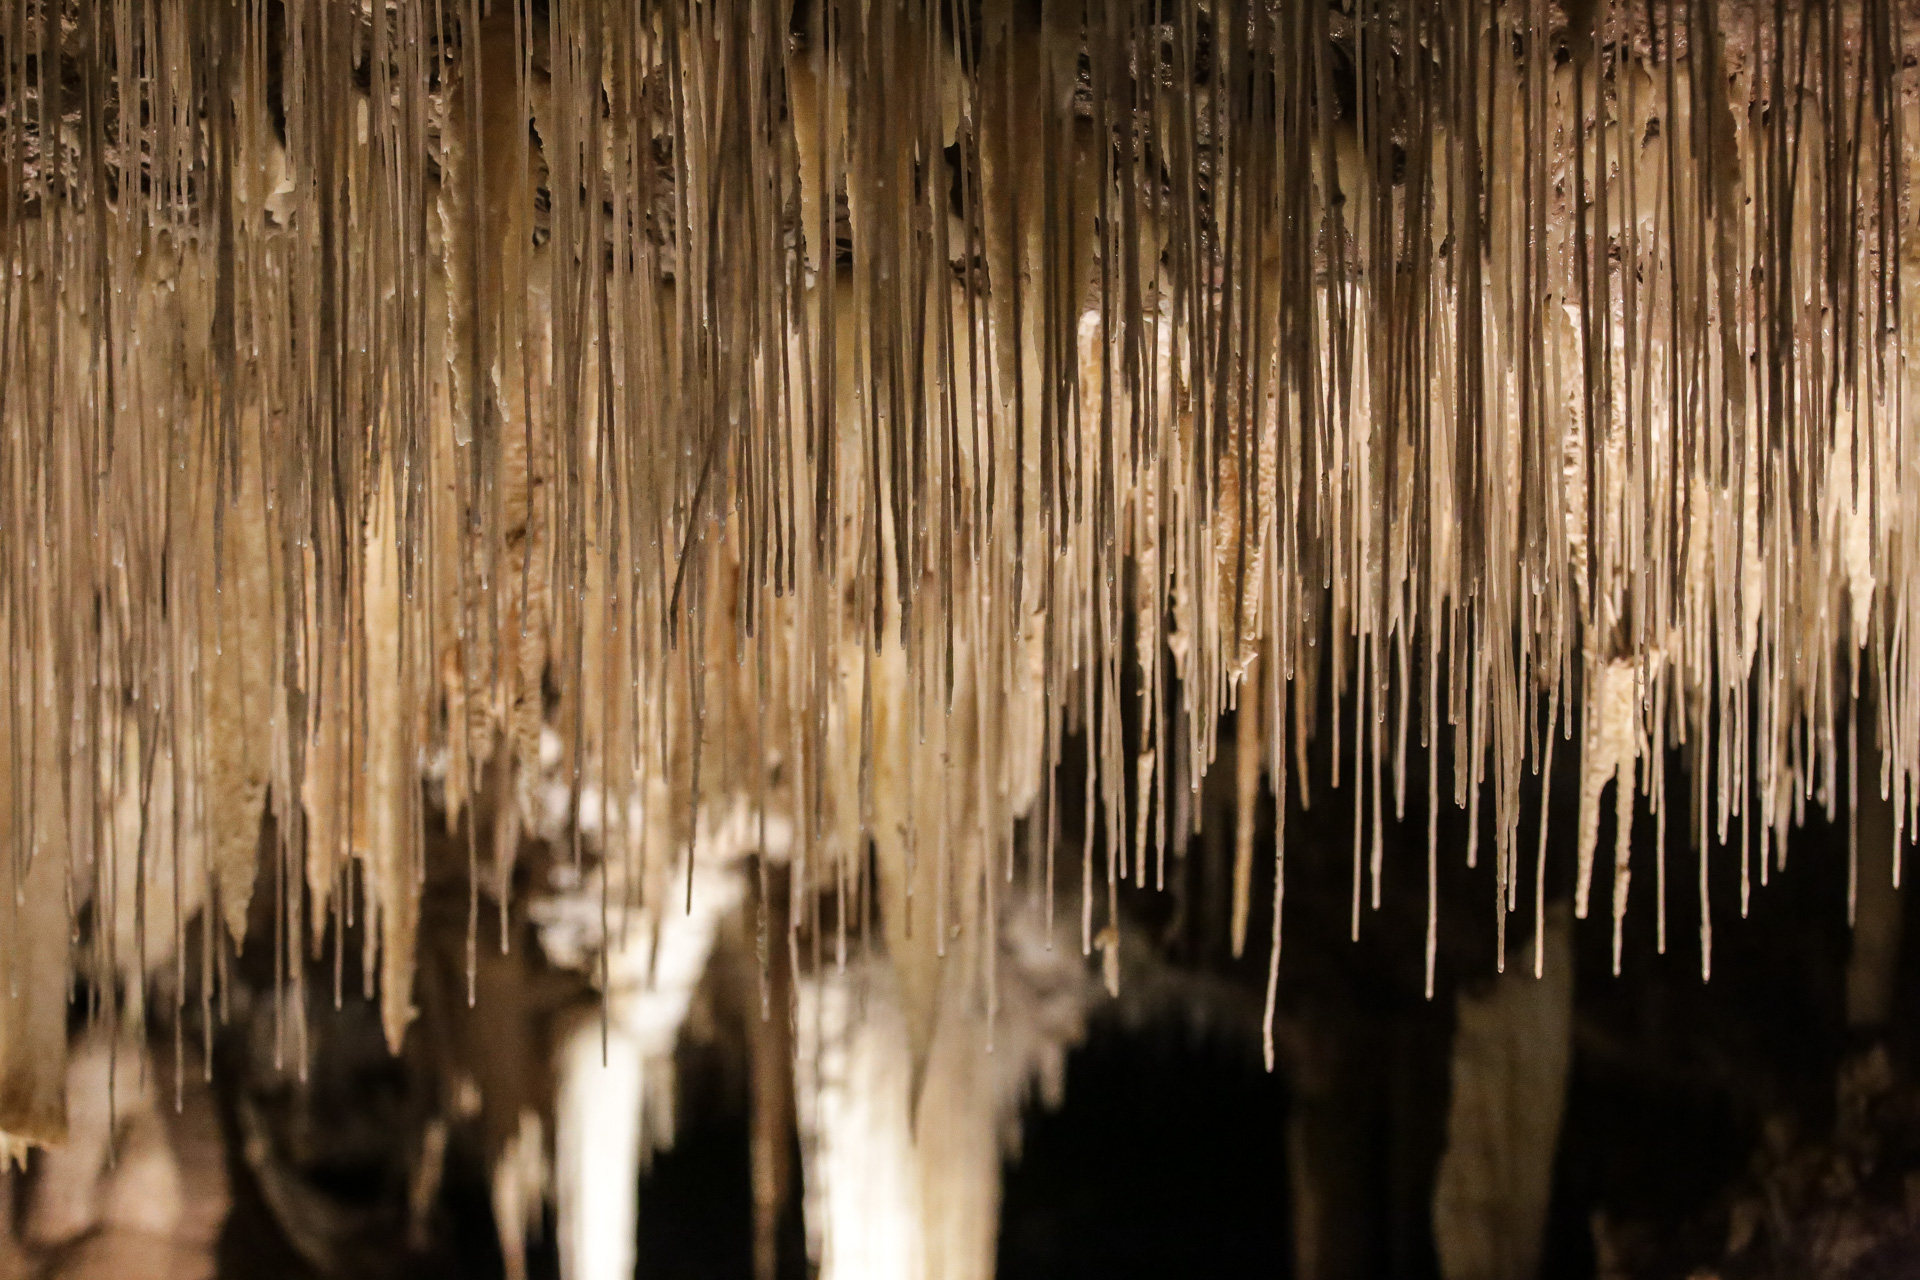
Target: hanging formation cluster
807,410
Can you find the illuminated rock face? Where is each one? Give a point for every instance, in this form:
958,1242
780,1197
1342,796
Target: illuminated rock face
808,417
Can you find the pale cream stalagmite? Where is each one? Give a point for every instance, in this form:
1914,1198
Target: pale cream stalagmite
902,1161
116,1168
1509,1082
897,1185
616,1076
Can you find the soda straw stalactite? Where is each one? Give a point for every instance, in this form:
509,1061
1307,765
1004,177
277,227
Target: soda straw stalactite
817,411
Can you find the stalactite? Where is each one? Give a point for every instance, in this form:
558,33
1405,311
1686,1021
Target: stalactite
811,410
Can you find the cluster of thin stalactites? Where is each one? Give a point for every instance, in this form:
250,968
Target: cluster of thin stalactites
840,405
